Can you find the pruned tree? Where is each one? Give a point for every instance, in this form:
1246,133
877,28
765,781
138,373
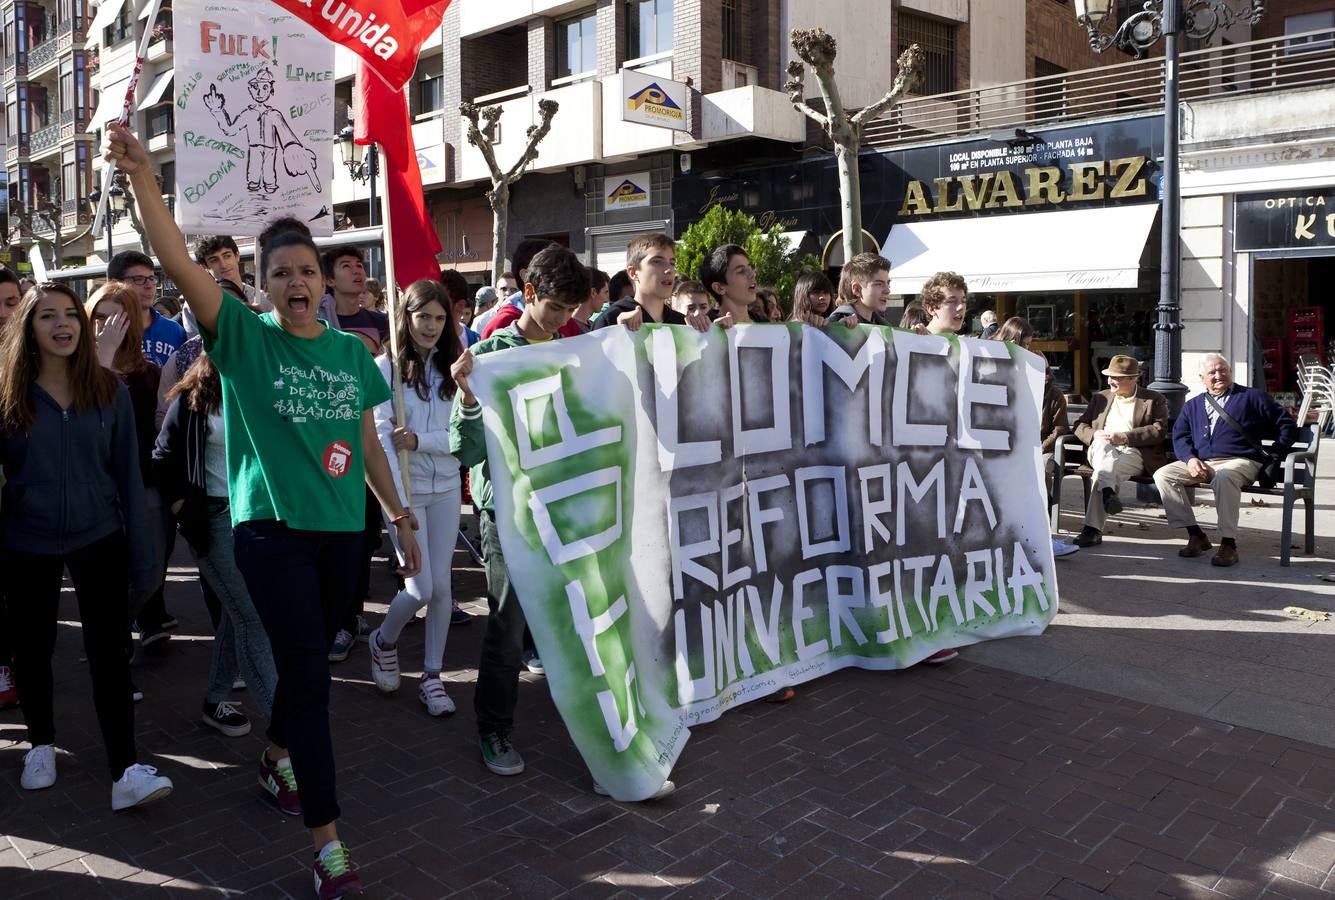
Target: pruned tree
817,49
23,226
483,137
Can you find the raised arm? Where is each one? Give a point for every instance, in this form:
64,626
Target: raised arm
197,286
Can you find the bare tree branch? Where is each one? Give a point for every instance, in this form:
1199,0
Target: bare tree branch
909,67
796,88
812,113
818,50
482,138
546,109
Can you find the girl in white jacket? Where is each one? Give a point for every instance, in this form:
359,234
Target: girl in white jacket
428,342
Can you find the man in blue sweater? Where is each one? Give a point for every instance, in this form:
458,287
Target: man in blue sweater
1212,451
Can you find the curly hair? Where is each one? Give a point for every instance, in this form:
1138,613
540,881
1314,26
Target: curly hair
934,290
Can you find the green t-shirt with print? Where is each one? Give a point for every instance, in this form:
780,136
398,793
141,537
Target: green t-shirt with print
293,411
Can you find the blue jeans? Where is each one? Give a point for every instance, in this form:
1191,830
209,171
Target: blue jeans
240,643
302,583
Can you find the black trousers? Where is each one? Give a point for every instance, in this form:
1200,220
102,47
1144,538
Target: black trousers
497,691
101,587
370,545
302,584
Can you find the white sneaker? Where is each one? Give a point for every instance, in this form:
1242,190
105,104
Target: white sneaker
39,768
384,665
1062,548
139,784
667,788
432,694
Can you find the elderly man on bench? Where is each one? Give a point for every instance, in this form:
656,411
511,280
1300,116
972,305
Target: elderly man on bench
1217,440
1124,428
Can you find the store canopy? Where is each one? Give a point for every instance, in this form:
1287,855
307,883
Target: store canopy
106,14
1069,250
109,104
157,89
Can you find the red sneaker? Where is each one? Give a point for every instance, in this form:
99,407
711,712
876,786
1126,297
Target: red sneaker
941,656
334,875
9,694
279,781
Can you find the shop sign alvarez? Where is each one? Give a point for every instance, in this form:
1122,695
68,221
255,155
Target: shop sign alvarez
1079,182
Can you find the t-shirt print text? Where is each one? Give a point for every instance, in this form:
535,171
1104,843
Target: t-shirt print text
316,394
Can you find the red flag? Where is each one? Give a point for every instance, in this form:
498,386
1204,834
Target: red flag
380,116
386,34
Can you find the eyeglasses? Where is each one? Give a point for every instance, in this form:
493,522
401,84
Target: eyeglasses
141,280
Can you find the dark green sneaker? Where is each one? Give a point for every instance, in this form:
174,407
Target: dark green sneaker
499,755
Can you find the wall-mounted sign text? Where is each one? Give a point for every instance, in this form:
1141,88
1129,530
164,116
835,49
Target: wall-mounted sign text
1283,220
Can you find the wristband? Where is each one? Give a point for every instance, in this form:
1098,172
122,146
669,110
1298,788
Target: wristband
403,516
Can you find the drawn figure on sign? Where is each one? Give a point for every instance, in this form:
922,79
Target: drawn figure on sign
268,134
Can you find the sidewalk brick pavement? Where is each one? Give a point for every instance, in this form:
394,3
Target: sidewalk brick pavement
952,782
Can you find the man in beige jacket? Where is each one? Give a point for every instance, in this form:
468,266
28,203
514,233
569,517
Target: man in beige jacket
1124,428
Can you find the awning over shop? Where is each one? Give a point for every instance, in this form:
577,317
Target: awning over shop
106,14
109,104
795,239
157,89
1068,250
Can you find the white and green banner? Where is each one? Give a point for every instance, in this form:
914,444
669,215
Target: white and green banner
692,521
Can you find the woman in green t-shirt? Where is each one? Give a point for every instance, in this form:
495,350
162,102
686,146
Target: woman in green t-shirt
297,401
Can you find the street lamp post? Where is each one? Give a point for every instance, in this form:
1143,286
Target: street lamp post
116,205
1167,19
361,163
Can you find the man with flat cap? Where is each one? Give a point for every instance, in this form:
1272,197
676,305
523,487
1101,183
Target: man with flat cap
1124,428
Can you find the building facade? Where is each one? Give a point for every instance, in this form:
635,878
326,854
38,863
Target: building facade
730,55
48,101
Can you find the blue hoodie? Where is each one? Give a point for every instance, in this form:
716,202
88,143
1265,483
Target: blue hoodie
73,480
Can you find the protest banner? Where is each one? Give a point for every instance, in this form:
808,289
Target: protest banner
692,521
254,119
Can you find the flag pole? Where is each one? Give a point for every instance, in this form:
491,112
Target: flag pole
392,308
126,109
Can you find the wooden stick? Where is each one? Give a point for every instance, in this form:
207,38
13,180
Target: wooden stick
392,308
126,110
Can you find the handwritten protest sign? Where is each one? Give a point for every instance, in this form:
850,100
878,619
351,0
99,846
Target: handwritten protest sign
694,521
254,118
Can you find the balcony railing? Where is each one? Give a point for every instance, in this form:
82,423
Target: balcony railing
44,138
76,119
1282,63
43,53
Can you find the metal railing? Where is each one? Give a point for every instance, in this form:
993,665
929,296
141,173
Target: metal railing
44,138
43,53
1281,63
77,118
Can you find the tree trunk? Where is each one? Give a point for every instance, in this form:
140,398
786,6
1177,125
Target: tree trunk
500,204
850,196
